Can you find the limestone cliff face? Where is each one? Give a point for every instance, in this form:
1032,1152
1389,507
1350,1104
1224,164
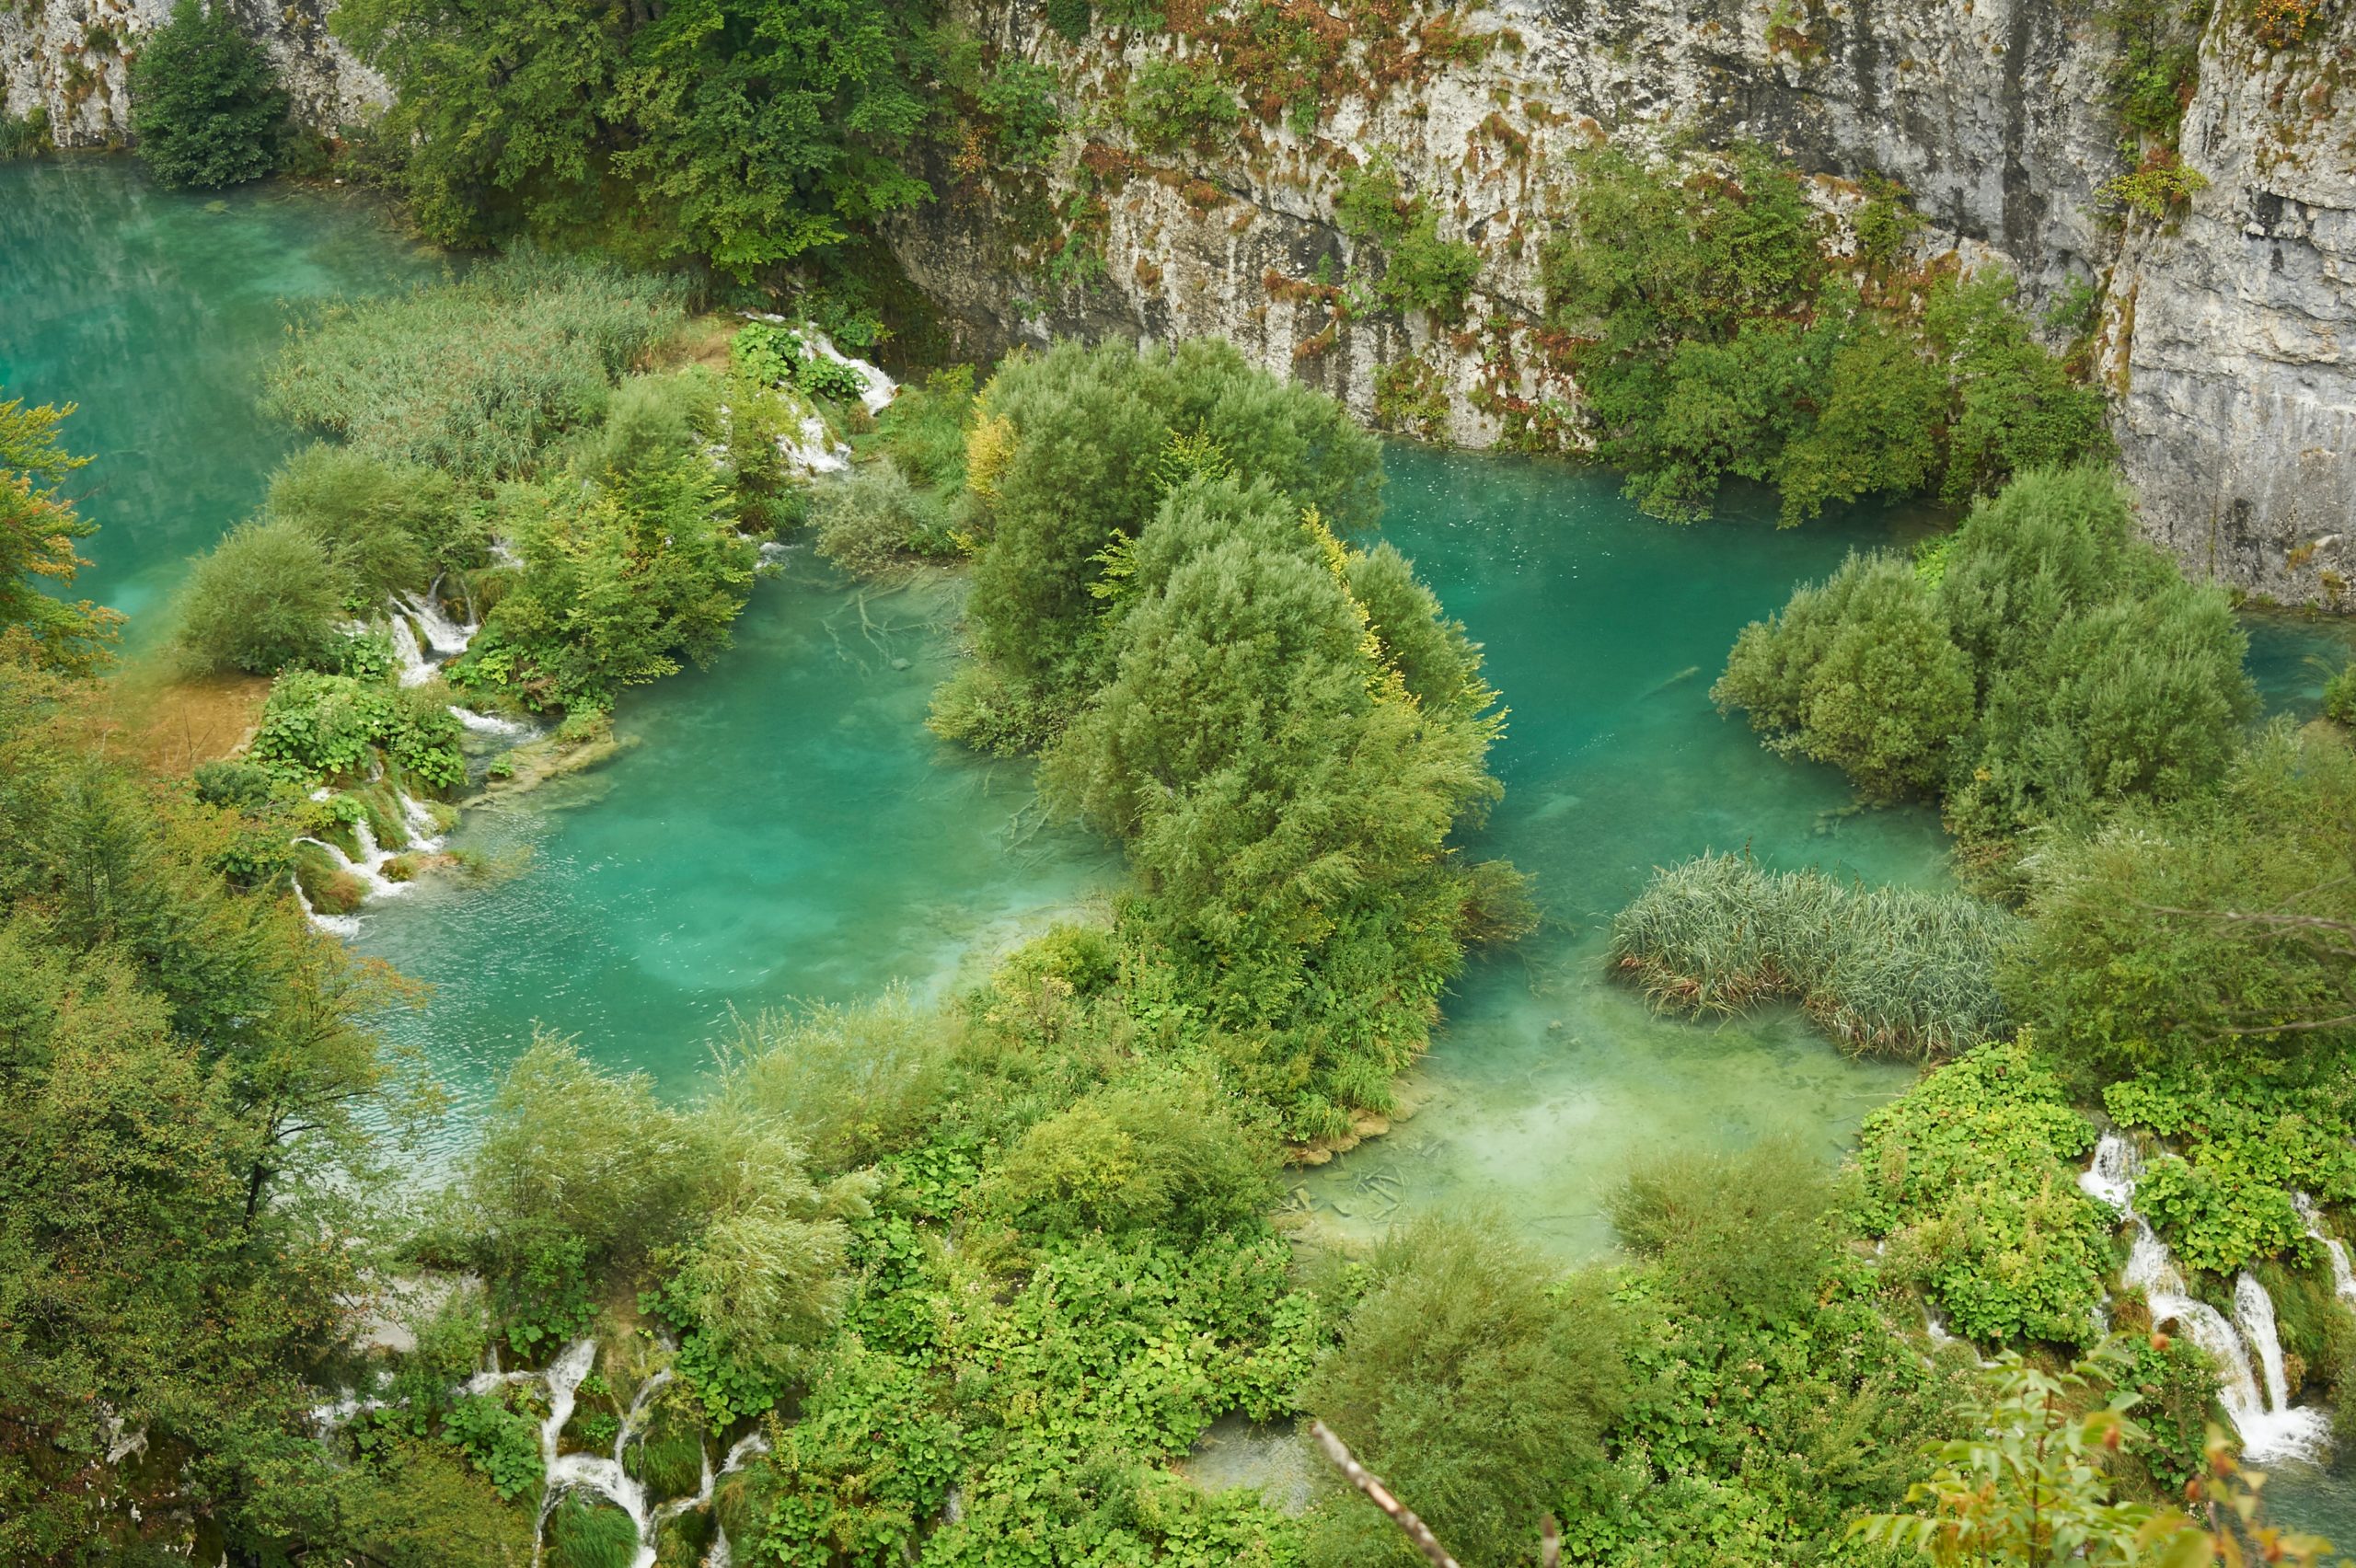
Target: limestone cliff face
72,58
2235,403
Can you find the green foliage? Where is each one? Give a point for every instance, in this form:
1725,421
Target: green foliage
2035,1482
1421,271
1773,1397
854,1084
585,1532
1477,1386
1068,18
265,600
1082,432
873,521
2157,67
1021,98
1178,103
1735,1236
24,136
1884,969
386,525
2056,666
748,132
922,431
1711,336
206,107
2340,696
1970,1177
475,376
772,355
1285,800
2158,189
1159,1156
622,580
39,531
181,1065
2138,961
1858,672
316,727
2016,408
504,1444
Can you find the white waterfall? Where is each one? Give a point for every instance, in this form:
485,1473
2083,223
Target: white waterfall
444,636
2270,1427
878,389
492,723
2343,1278
814,451
604,1474
416,668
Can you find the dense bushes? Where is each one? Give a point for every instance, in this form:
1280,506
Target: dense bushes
1476,1384
1420,270
206,107
2056,666
2203,936
1879,969
1715,335
475,375
1971,1179
749,133
266,598
1072,451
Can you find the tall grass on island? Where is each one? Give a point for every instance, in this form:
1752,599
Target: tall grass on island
1885,971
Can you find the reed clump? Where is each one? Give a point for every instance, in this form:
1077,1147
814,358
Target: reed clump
1885,971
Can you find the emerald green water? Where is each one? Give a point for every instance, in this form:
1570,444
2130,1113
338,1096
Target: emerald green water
155,311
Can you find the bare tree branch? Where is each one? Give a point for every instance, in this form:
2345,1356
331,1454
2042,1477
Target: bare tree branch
1379,1495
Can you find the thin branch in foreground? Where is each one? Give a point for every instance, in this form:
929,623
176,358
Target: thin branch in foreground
1379,1495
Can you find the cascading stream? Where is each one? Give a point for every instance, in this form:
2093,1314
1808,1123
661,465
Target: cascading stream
2270,1427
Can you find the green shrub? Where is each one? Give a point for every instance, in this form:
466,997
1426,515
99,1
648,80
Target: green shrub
2340,696
1421,272
1885,970
651,421
1858,672
266,599
1070,18
1715,335
475,375
387,527
1157,1156
854,1083
871,521
1476,1385
27,136
501,1443
206,107
2048,666
1021,97
922,431
1739,1236
1971,1179
1178,103
980,707
321,727
232,782
583,1532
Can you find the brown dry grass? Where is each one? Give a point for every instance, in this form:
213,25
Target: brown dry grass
169,722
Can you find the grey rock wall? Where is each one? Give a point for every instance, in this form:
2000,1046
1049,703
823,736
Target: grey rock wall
71,59
2224,349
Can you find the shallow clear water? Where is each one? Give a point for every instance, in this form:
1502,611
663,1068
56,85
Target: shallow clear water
785,829
1604,629
155,311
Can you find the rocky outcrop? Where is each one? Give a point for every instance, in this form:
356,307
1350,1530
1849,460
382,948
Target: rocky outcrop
69,59
2231,398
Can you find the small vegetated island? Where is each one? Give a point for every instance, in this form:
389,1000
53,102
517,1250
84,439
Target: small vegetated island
967,1284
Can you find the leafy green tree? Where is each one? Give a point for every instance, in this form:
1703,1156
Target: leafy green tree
206,106
746,133
386,525
1735,1236
266,599
1477,1385
39,531
2210,935
1858,672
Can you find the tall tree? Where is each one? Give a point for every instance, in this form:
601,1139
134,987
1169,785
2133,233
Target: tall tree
206,105
39,530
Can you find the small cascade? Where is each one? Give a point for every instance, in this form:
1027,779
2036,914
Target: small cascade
814,451
444,636
341,925
418,817
416,668
2270,1427
491,724
774,555
2343,1278
880,388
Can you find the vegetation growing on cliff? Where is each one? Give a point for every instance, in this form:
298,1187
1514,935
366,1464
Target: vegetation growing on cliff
206,103
1714,334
